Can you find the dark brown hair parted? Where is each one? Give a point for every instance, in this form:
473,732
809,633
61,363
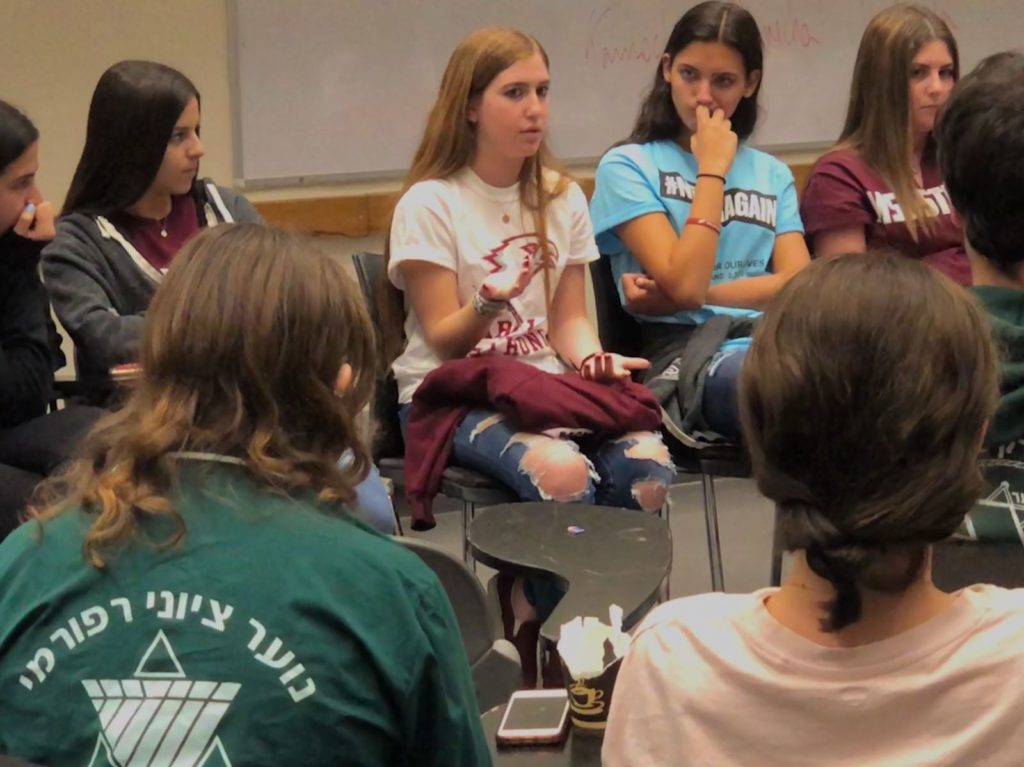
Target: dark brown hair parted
863,399
131,118
707,22
241,352
17,133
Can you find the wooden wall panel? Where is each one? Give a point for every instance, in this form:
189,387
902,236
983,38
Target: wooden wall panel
364,214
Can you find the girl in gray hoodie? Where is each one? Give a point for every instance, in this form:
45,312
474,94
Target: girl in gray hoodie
135,199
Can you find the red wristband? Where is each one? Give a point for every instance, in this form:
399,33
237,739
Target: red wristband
587,359
716,228
598,366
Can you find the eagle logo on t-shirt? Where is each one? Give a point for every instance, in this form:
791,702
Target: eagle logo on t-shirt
508,252
523,335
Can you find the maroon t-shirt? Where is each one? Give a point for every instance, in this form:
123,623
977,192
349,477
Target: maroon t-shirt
845,191
146,234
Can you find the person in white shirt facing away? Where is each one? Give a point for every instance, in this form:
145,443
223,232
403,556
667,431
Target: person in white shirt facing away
864,399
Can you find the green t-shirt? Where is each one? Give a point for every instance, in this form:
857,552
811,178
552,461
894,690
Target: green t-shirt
995,518
277,634
1005,308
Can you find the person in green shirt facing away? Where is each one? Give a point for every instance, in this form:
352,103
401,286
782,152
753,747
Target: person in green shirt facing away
980,142
195,590
980,139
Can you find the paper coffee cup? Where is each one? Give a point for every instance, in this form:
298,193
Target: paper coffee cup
590,699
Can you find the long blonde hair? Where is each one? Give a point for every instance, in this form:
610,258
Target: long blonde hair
449,143
241,353
878,121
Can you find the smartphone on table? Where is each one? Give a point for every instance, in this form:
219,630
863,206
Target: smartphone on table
535,717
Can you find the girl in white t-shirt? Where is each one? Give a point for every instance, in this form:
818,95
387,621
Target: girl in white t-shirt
858,659
490,244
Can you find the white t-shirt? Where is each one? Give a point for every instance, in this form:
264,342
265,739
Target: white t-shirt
716,680
477,230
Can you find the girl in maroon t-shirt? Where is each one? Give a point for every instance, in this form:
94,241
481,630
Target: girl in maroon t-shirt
869,191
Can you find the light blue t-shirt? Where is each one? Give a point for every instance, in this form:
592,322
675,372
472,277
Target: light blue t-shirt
659,177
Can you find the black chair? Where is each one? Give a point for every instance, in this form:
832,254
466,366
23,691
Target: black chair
472,489
620,333
493,660
66,389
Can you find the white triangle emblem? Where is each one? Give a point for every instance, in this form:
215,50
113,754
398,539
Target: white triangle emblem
161,647
150,721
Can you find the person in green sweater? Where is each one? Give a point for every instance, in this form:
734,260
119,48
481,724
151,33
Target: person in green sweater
980,139
981,151
196,590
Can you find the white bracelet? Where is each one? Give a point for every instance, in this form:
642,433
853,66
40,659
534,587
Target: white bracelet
486,307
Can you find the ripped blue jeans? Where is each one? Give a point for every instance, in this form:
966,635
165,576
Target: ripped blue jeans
631,471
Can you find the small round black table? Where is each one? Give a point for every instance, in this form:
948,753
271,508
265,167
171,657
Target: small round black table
601,555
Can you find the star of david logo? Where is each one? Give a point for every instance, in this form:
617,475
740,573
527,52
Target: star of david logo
159,718
1000,515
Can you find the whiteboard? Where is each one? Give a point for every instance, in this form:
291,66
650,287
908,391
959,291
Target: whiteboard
340,89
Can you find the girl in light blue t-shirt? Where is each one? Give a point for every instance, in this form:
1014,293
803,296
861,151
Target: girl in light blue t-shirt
694,222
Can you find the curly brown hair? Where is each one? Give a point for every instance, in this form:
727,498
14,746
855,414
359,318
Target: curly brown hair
240,357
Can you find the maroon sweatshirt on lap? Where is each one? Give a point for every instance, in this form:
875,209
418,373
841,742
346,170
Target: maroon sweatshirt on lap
530,399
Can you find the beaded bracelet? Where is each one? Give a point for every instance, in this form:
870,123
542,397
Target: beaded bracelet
487,307
716,228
